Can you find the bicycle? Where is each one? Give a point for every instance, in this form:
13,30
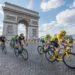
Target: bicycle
21,51
42,49
66,56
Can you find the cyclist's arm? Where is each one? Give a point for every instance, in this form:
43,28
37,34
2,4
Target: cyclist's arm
24,40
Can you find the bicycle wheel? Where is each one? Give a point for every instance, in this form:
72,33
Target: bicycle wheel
16,51
40,50
50,55
69,61
24,54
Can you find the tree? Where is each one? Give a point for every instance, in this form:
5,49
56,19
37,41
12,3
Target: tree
48,37
42,37
68,37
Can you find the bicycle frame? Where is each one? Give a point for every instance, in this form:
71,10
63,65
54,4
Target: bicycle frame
44,48
65,51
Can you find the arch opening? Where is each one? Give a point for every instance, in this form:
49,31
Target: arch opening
23,28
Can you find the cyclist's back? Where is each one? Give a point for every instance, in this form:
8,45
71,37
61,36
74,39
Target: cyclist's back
2,39
14,41
21,39
2,42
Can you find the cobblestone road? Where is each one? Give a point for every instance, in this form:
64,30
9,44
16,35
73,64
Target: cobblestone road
36,64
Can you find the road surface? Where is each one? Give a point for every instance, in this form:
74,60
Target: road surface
36,64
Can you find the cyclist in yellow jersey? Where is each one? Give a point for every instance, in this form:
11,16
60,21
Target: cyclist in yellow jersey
57,39
59,36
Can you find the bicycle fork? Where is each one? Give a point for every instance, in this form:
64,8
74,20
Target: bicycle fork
58,57
68,55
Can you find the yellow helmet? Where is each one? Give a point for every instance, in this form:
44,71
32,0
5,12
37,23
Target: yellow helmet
63,32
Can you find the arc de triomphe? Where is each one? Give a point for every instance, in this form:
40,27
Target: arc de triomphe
13,15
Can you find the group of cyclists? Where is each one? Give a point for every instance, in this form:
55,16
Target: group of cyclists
18,40
18,43
58,48
58,40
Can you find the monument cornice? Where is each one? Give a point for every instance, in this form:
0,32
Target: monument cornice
32,26
21,12
8,22
16,6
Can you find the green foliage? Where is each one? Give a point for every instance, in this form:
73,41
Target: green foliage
68,37
42,37
48,37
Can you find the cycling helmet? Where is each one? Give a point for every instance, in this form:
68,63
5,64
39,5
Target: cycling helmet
62,32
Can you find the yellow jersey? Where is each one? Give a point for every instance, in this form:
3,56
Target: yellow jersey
59,37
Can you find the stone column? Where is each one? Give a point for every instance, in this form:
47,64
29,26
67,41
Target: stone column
26,32
9,30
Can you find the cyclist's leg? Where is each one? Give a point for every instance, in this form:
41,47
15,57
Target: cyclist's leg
3,45
57,49
57,54
20,47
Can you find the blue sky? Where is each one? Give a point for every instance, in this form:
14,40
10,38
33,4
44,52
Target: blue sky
55,15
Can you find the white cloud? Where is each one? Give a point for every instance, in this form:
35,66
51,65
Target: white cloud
1,10
1,25
51,4
42,30
74,3
66,17
22,29
30,5
70,29
48,28
64,20
1,28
